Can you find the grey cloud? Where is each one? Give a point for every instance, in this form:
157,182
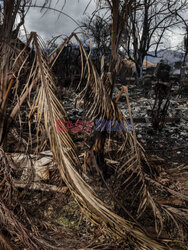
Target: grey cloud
50,25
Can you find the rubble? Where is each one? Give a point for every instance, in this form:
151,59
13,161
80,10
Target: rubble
176,126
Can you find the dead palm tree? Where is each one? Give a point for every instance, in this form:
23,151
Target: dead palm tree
131,172
100,105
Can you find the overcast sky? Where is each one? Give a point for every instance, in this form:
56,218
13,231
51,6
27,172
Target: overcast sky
49,25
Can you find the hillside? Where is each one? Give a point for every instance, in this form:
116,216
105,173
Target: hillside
171,56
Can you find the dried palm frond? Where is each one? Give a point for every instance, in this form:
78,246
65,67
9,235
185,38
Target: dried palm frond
16,226
4,244
133,167
11,78
14,220
65,154
101,106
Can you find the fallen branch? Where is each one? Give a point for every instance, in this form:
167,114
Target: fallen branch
41,187
172,192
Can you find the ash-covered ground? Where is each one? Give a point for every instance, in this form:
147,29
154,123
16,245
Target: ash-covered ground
171,143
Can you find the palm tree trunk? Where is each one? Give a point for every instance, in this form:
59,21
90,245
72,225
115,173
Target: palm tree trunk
99,145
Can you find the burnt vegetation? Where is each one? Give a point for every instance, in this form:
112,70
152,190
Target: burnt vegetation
66,183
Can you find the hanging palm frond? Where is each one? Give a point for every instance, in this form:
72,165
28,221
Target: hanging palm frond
65,154
130,169
133,167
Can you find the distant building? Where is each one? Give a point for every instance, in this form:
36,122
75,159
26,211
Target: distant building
145,64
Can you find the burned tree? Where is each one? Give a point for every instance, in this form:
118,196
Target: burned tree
162,91
147,27
134,194
120,12
97,29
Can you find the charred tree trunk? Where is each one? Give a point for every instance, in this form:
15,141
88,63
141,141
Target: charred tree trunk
139,71
117,24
